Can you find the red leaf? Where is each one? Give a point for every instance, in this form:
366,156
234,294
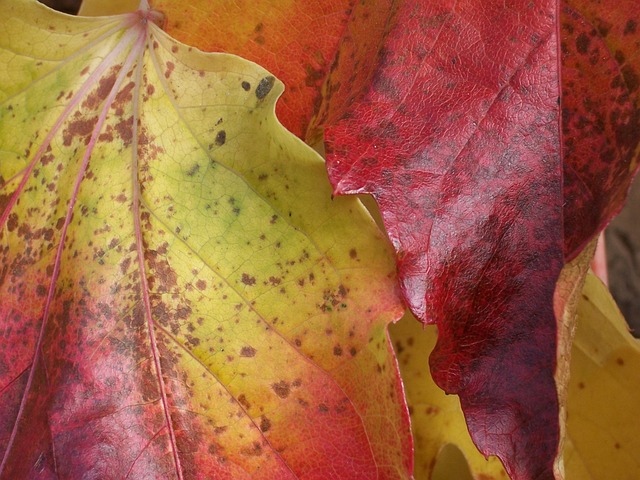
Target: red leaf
458,140
601,113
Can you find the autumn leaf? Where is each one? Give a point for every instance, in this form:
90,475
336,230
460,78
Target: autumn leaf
180,297
436,418
601,113
461,140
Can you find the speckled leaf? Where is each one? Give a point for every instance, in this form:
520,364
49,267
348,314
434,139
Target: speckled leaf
179,295
295,39
600,111
458,139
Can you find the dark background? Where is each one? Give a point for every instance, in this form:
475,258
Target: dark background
66,6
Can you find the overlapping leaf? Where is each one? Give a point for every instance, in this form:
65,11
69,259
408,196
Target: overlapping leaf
604,389
436,418
179,295
601,112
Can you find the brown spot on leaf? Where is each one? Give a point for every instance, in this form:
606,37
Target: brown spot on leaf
582,43
265,424
125,95
193,170
630,78
248,280
255,450
243,401
630,27
183,312
80,127
604,27
282,389
124,265
12,222
169,70
221,137
248,352
125,130
105,85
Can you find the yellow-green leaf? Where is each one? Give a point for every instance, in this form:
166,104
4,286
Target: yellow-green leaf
436,418
180,297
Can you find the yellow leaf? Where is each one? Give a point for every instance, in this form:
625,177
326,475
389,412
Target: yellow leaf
604,392
436,418
94,8
180,297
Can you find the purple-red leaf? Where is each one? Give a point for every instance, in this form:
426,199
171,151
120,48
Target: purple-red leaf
600,111
458,139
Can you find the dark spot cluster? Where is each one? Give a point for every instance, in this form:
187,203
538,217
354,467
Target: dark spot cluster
334,299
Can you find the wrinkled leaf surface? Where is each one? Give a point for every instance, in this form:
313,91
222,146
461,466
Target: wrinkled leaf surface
458,139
